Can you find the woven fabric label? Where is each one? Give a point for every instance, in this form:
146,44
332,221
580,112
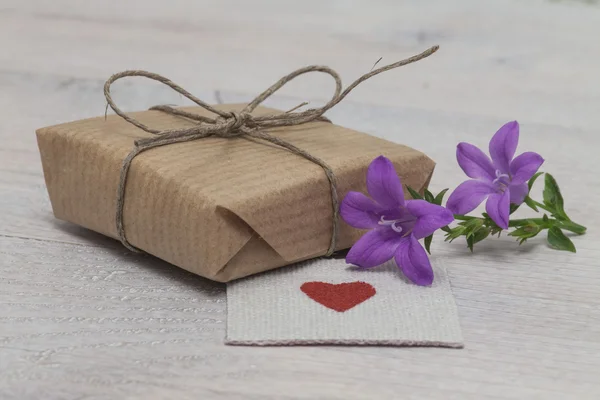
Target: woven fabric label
326,301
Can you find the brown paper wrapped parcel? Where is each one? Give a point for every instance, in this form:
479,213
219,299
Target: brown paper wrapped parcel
237,195
222,208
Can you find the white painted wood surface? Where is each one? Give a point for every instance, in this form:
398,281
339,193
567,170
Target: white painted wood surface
81,318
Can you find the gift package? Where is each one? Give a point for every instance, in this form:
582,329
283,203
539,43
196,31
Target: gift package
222,208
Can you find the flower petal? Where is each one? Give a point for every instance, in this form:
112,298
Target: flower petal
468,195
430,217
498,208
360,211
524,166
384,184
518,193
504,144
474,162
413,261
374,248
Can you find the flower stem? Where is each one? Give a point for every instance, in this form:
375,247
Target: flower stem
545,223
464,217
566,225
520,222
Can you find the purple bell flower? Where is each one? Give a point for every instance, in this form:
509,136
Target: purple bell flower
395,224
502,180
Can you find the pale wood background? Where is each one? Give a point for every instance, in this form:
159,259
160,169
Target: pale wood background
80,318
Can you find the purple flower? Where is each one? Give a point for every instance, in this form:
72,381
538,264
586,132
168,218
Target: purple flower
502,180
396,224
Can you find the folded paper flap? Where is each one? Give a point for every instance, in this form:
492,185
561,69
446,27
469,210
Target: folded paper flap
174,192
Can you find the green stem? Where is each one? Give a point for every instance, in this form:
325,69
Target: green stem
566,225
464,217
520,222
546,224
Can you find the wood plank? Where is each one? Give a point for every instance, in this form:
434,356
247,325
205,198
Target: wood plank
96,321
82,317
513,59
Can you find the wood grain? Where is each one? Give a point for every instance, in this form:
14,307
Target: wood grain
508,58
80,317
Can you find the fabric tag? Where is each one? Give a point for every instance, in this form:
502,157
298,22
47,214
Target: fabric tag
326,301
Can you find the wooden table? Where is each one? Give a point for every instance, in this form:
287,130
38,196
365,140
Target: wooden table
80,317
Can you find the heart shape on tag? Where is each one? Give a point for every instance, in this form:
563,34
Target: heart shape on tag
339,297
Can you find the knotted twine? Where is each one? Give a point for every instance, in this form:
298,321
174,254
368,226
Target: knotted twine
232,124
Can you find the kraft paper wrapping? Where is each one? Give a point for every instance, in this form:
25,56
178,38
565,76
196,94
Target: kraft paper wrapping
222,208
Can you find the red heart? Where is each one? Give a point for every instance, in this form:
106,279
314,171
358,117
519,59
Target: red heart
339,297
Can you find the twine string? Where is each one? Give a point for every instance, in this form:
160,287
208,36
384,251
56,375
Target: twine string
231,124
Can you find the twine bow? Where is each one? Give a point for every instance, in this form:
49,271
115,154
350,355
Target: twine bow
231,124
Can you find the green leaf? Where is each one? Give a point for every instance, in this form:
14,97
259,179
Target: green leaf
513,208
454,233
553,198
481,234
446,229
429,196
526,231
490,223
472,223
477,236
531,203
415,195
533,179
428,240
470,242
471,226
573,227
559,241
438,199
495,230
